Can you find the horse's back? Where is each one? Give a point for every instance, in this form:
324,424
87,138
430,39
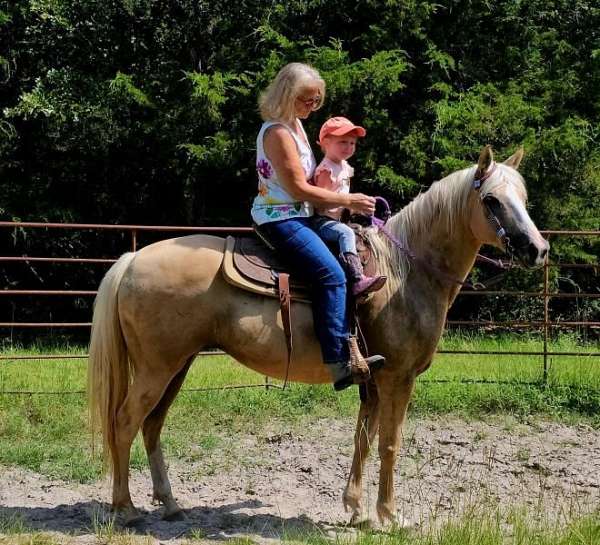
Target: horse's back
176,265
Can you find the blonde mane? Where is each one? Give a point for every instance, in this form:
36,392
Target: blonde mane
444,205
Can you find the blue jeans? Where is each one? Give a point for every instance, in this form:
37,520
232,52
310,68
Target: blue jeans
310,259
331,230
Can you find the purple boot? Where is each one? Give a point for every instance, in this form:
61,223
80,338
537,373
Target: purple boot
361,284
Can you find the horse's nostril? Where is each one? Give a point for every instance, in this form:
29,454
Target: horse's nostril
534,252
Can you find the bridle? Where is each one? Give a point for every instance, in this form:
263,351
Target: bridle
492,219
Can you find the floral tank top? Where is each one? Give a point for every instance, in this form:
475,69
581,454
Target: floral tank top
273,202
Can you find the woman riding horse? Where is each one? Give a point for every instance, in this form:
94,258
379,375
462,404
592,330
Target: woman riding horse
284,205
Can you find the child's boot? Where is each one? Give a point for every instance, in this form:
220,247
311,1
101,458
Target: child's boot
361,284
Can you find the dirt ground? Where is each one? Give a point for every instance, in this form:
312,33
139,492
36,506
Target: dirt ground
282,482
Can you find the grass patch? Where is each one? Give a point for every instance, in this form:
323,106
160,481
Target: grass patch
488,527
45,433
12,524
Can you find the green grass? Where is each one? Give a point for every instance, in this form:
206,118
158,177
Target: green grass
479,526
47,433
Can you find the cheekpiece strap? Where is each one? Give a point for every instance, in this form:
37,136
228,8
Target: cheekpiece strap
478,182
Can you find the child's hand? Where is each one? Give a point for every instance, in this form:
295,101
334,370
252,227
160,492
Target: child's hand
362,204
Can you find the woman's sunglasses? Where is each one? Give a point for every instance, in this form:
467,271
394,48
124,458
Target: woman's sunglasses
313,103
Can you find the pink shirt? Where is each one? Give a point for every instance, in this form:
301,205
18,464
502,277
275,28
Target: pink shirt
340,183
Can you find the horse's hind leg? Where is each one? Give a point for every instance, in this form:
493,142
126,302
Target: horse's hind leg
151,429
366,428
144,394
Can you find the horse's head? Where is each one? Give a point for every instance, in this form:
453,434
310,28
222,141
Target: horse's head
500,216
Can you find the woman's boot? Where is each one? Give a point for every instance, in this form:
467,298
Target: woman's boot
361,284
355,371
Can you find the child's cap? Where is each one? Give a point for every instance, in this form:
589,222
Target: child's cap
338,126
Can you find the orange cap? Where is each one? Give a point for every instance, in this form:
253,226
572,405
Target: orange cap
338,126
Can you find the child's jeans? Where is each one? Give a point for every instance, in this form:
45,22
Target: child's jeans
331,230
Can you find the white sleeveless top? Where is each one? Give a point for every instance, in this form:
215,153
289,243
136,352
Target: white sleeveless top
273,202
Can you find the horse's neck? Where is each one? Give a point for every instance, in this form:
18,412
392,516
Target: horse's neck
447,258
445,250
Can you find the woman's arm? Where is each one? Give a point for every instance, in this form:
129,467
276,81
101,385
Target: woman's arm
281,150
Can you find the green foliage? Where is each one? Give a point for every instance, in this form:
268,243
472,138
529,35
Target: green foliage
122,85
429,90
386,177
216,151
118,111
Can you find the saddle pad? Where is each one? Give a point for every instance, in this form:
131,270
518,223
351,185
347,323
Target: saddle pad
247,265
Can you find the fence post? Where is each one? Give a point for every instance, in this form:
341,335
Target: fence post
546,317
134,240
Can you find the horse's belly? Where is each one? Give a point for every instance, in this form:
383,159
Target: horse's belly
314,372
254,336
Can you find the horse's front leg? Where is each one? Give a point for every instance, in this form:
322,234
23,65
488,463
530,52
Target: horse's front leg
366,428
394,396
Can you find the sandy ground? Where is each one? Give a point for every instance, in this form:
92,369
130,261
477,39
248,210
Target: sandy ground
282,482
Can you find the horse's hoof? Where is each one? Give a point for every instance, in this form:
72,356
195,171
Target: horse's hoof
392,521
135,521
357,521
352,503
127,516
386,516
174,516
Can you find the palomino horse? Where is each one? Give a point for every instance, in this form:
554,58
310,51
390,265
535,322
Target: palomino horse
158,307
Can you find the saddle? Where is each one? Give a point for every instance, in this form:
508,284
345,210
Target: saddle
251,265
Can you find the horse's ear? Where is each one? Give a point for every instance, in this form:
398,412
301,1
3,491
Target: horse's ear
486,157
515,159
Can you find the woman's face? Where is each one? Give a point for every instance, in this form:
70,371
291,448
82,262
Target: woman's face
307,101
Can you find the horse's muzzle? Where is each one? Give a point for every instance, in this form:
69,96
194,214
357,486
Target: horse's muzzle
532,253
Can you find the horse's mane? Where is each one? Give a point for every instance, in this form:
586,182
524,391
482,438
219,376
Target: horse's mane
443,205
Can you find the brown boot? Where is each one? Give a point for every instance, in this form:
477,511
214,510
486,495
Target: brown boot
358,370
361,284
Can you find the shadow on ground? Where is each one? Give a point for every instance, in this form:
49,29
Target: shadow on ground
218,523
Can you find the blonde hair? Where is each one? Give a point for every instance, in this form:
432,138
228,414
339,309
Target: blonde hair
276,102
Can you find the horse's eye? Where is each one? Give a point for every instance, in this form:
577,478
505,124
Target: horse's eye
491,201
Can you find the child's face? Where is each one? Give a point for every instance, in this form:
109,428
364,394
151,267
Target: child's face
338,148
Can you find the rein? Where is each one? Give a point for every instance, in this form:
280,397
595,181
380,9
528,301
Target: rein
380,224
491,217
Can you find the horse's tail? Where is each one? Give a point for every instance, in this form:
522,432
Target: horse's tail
108,367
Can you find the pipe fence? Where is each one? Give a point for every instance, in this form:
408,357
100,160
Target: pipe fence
133,232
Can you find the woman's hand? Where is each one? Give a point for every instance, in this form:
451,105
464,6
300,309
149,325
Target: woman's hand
362,204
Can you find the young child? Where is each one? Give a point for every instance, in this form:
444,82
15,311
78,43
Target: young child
337,139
